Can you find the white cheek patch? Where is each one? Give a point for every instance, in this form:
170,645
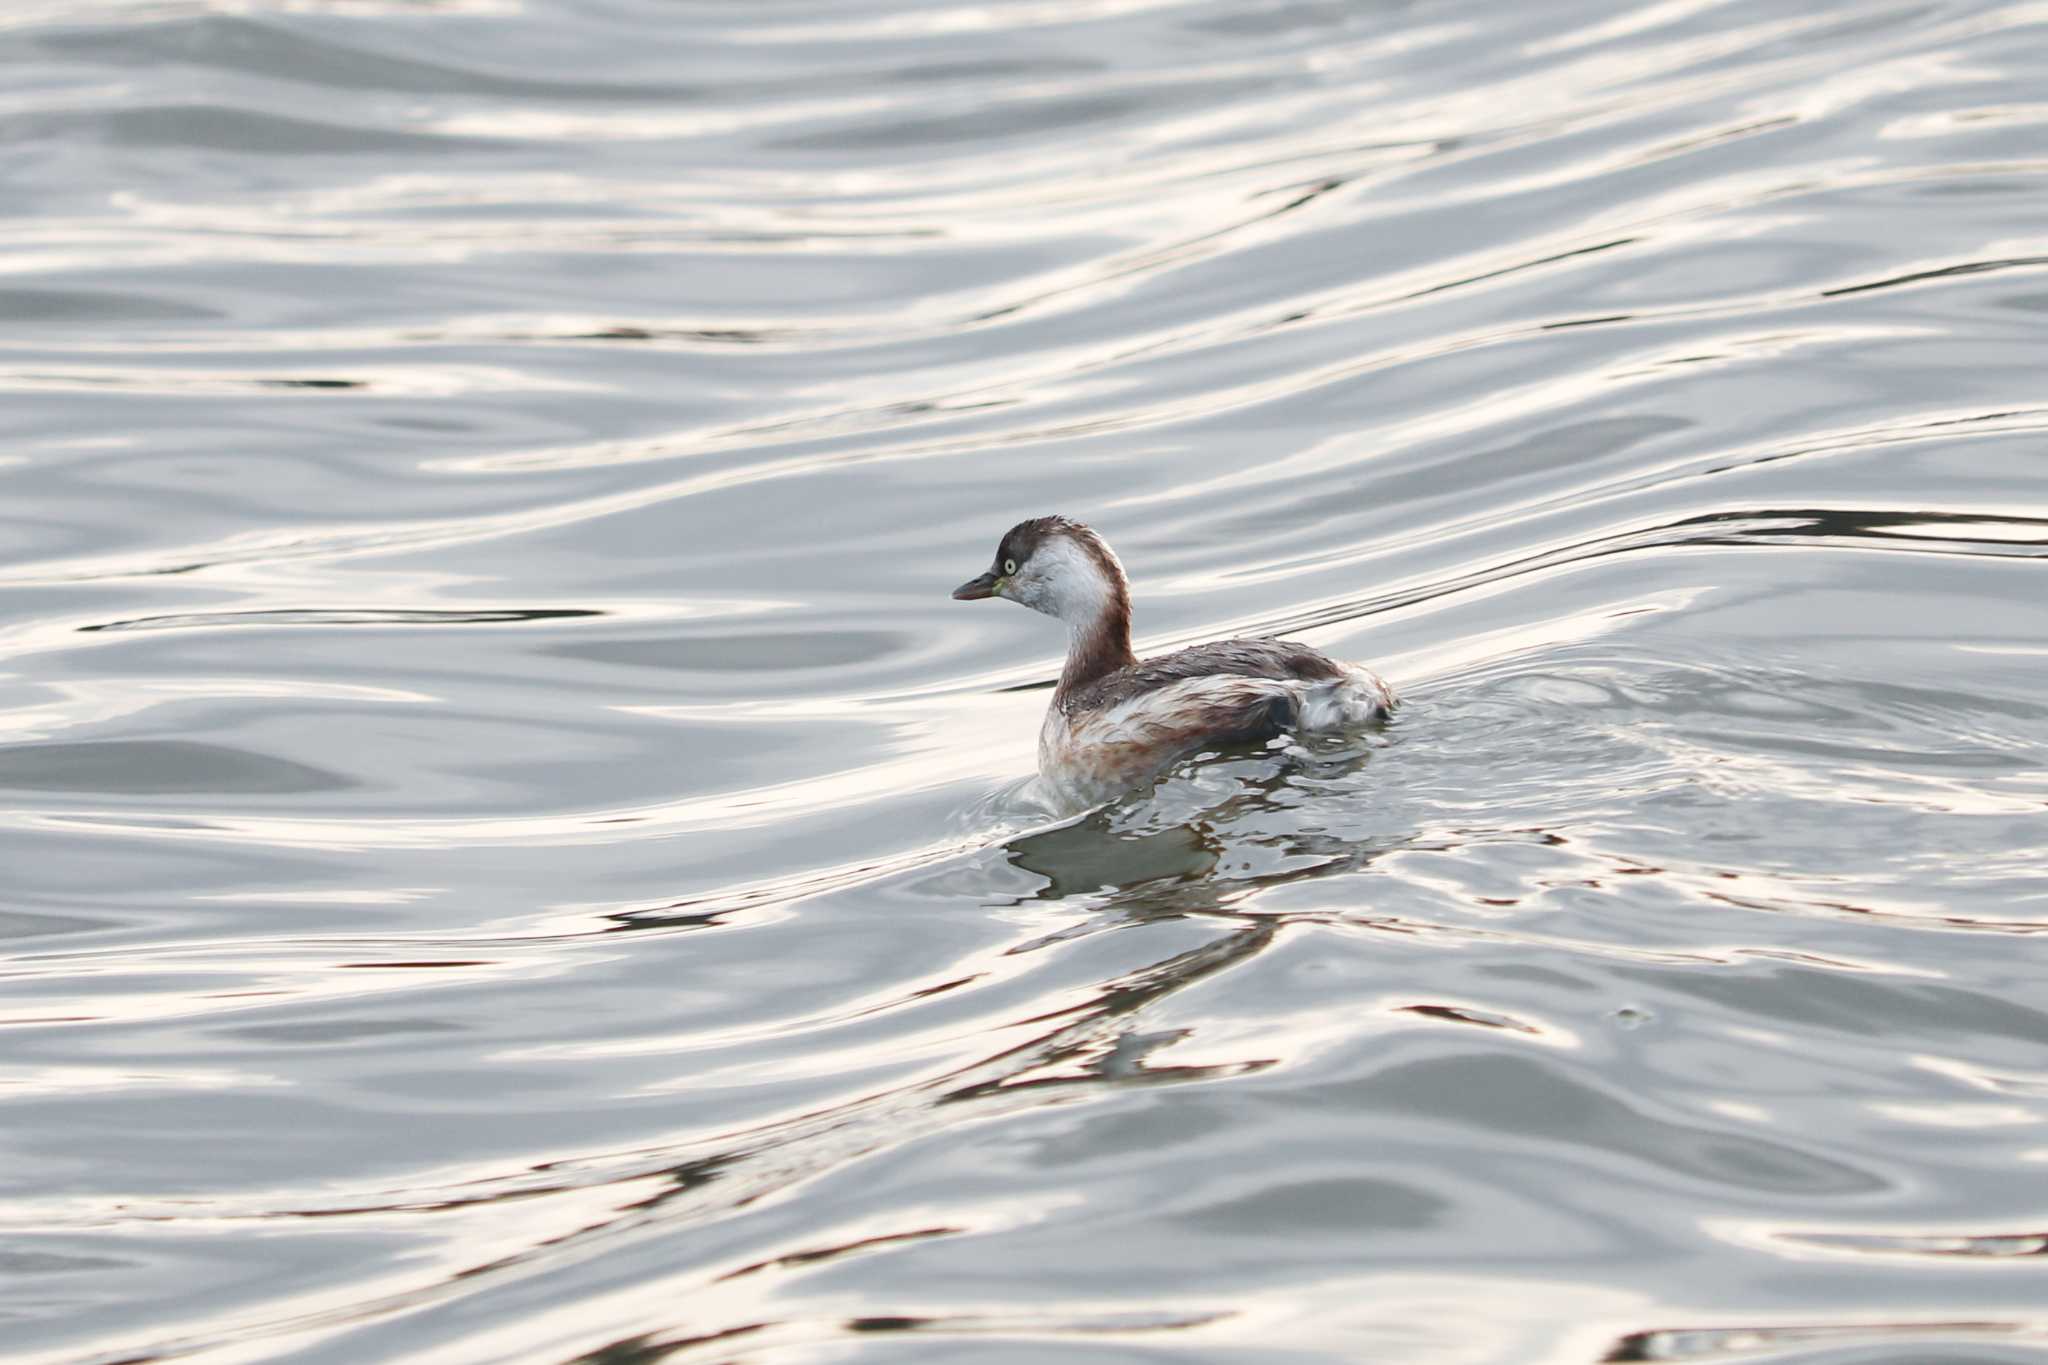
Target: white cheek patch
1063,580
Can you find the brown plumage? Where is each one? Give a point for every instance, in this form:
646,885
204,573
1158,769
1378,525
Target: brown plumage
1249,658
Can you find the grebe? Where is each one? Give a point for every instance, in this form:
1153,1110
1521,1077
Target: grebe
1116,720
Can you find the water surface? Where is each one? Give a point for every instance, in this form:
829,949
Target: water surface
511,854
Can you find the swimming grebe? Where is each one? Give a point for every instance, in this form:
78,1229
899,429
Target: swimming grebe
1116,720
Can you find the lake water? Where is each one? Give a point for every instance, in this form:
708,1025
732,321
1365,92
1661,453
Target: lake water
509,853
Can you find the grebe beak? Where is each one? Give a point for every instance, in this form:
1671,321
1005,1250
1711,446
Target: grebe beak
975,588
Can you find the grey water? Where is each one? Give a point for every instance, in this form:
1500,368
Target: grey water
509,853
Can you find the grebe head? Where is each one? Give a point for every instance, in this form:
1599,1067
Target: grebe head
1059,567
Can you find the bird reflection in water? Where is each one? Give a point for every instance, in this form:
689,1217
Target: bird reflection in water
1176,849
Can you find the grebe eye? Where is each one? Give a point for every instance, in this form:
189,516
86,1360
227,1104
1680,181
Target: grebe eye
1009,566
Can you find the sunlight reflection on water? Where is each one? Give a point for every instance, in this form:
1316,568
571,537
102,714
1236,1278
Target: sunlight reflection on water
511,853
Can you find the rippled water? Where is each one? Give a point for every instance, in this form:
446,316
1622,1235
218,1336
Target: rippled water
511,855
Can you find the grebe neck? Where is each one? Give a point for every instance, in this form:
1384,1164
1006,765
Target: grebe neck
1075,577
1096,647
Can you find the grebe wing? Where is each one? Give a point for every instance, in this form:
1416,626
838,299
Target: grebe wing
1278,660
1189,713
